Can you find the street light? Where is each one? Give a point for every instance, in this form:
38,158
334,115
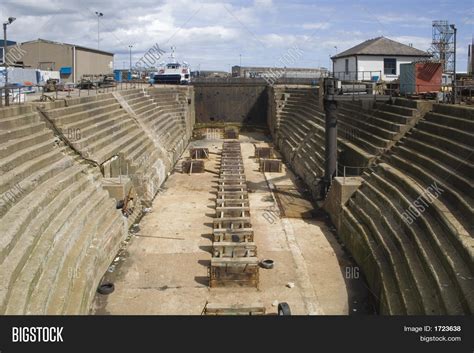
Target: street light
5,24
130,47
99,15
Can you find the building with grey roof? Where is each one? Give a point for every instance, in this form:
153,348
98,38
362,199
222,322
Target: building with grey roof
375,59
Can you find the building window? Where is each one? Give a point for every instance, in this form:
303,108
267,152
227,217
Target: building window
347,66
390,66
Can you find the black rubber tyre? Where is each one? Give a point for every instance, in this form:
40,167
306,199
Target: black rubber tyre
106,288
284,309
268,264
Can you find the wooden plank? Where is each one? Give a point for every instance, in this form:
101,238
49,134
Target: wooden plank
232,208
234,309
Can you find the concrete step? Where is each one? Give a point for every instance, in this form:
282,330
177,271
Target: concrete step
464,166
83,288
403,258
17,242
373,144
105,216
371,118
450,175
369,257
450,121
397,109
73,199
394,205
12,146
88,122
458,236
444,172
409,103
109,146
33,172
84,114
16,157
16,110
16,121
391,117
87,128
59,252
21,131
456,260
461,211
368,125
108,130
454,147
400,275
458,111
460,136
81,107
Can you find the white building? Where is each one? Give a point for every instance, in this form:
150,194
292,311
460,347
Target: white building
375,59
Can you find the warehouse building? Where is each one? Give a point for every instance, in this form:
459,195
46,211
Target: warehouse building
2,44
72,61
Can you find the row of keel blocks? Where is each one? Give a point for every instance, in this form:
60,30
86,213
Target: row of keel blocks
234,254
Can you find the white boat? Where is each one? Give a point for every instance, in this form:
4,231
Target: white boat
173,72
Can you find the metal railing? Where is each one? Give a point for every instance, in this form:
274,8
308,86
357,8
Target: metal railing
21,94
373,76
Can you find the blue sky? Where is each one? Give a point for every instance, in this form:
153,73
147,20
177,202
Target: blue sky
213,35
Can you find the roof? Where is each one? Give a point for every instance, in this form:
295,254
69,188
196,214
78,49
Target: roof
72,45
9,42
382,46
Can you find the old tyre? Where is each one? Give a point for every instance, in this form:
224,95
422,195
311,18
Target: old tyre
284,309
268,264
106,288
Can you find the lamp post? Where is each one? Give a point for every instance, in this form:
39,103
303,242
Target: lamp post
5,24
99,15
130,49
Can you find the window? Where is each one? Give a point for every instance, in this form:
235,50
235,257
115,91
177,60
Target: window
347,66
390,66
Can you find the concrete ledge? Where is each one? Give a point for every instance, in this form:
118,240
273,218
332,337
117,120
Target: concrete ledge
340,192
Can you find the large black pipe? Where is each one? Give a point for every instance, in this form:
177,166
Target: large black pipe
330,110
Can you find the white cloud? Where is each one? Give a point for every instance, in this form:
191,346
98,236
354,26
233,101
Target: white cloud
315,25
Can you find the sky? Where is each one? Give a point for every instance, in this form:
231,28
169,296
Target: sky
215,35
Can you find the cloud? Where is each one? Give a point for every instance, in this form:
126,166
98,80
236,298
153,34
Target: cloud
315,25
213,33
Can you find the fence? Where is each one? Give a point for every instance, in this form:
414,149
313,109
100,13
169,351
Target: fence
19,94
374,76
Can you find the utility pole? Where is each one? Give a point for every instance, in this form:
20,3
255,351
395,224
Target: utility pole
99,15
5,63
130,47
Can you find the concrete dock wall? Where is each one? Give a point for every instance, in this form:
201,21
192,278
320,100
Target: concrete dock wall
60,226
224,102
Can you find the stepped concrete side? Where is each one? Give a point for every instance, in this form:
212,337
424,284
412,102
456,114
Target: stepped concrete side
412,153
60,229
296,123
414,213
